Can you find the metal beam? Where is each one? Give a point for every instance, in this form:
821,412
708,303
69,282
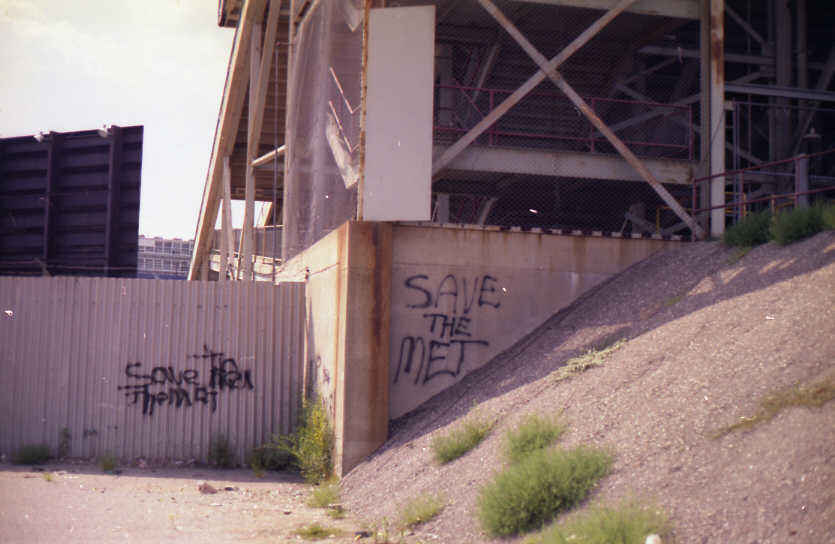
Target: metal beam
716,109
823,83
569,164
684,9
527,86
580,104
778,91
246,246
745,26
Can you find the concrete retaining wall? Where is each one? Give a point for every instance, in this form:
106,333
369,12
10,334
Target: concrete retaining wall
462,296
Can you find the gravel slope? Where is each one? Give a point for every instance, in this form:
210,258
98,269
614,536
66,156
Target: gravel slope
710,334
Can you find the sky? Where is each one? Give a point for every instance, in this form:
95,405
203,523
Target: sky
81,64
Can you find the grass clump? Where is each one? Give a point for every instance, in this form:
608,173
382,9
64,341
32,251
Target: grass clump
581,363
107,462
420,510
312,444
797,224
269,456
32,454
627,523
752,230
815,396
316,531
221,453
461,439
533,433
324,494
530,493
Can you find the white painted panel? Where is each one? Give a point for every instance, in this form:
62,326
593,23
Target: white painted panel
398,142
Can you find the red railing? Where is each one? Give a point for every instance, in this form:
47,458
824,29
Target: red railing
741,205
648,128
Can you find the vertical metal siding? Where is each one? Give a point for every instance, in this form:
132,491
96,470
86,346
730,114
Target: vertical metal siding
66,343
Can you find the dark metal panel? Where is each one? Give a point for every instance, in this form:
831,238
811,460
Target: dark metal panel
71,201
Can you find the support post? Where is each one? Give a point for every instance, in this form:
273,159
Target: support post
111,233
801,181
716,137
251,152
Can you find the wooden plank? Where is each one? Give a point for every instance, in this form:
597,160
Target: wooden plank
225,135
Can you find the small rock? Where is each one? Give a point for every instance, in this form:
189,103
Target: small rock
229,488
288,512
653,539
361,534
206,488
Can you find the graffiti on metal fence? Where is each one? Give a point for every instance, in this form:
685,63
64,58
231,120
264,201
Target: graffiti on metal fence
165,385
447,310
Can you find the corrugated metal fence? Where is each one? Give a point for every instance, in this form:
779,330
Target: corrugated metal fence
148,368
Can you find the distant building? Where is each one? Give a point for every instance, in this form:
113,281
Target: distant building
163,258
69,202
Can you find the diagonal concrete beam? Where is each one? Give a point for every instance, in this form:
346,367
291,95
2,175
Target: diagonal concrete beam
527,87
580,104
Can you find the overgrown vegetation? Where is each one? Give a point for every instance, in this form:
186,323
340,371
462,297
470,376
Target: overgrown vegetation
315,531
784,228
311,446
32,454
626,523
797,224
581,363
324,494
419,510
461,439
269,457
64,442
107,462
530,493
533,433
752,230
815,396
221,453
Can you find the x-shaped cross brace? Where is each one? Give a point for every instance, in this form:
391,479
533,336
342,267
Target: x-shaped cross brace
549,69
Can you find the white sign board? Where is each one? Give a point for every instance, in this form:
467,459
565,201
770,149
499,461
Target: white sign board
398,129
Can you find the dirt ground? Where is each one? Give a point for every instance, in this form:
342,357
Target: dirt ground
67,503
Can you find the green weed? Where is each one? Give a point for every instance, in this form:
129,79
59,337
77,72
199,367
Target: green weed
107,462
533,433
750,231
312,444
796,224
47,476
626,523
814,396
221,453
32,454
461,439
270,456
530,493
581,363
316,531
420,510
324,494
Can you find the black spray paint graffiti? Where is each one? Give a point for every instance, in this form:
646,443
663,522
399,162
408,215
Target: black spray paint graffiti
443,349
164,385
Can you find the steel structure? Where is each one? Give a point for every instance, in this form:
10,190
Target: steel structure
69,202
569,114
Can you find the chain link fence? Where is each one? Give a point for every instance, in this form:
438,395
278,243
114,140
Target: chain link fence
542,163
